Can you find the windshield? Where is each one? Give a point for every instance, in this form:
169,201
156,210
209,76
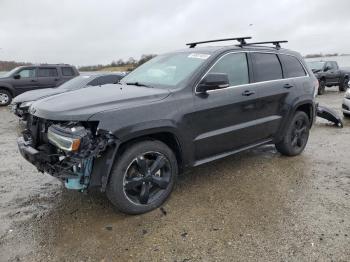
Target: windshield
166,70
76,83
316,65
10,72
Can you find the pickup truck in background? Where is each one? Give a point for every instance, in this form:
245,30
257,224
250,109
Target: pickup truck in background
329,74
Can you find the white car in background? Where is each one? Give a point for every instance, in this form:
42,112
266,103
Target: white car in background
346,104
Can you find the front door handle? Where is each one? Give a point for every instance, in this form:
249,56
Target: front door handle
288,86
248,93
33,80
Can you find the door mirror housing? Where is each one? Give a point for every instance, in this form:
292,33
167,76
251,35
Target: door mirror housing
17,76
327,68
213,81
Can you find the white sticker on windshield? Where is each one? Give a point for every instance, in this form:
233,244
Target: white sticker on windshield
199,56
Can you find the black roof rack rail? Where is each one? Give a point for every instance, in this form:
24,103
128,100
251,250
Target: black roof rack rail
277,44
241,40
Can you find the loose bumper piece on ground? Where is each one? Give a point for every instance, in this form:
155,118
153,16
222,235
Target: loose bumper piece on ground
329,114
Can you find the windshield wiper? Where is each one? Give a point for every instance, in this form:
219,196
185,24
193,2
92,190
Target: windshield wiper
138,84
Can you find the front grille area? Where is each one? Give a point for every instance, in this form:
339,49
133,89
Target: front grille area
345,107
37,130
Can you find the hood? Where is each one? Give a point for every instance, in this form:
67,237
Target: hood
38,94
80,105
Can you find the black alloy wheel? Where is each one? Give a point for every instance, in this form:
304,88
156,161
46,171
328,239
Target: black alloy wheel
142,177
297,135
146,178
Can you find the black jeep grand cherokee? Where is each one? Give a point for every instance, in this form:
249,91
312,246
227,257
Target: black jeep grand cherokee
179,110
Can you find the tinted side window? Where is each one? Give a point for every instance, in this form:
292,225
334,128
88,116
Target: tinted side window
47,72
27,73
335,65
111,79
67,71
94,82
329,65
291,66
235,66
266,67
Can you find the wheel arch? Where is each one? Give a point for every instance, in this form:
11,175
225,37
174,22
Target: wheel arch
9,89
164,135
306,106
103,165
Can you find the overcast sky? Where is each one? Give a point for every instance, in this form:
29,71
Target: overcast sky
83,32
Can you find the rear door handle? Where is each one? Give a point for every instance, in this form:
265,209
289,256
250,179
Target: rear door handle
288,86
33,80
248,93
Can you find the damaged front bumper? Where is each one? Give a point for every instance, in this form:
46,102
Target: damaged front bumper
74,172
75,169
20,111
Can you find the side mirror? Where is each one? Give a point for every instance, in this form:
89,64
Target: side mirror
213,81
327,68
17,76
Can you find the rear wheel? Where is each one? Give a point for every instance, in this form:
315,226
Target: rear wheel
296,136
344,85
322,87
143,177
5,97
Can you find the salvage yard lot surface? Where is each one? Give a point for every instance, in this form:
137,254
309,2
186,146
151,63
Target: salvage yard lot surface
254,206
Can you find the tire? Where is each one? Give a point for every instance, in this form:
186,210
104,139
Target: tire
346,115
322,87
5,97
131,177
297,135
344,85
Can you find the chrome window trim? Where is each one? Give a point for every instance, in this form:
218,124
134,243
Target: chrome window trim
250,84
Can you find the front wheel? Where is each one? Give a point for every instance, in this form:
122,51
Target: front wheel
297,135
5,97
346,115
143,177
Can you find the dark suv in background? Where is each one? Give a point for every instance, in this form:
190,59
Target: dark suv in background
178,110
26,78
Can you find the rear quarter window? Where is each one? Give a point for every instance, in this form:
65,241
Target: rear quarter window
266,67
67,71
47,72
292,66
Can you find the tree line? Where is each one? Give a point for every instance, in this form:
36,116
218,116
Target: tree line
9,65
126,65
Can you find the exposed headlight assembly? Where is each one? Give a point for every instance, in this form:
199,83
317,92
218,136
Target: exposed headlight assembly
26,104
67,138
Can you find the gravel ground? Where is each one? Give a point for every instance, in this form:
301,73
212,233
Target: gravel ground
254,206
